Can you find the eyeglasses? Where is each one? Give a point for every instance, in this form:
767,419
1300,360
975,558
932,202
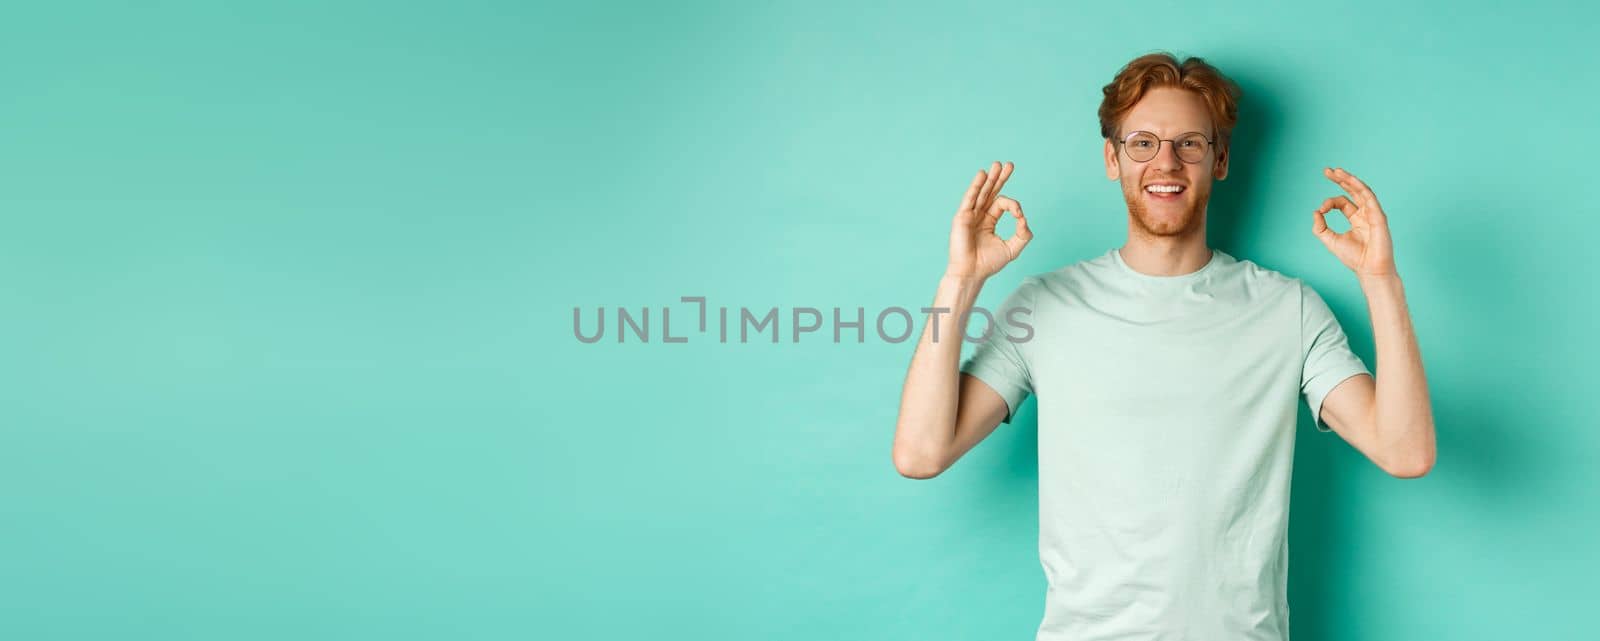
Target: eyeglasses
1143,145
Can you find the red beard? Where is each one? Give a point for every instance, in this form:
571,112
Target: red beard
1167,223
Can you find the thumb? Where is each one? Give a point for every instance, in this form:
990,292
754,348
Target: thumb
1319,227
1021,235
1019,239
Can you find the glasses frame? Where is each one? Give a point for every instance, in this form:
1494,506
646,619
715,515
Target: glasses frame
1211,145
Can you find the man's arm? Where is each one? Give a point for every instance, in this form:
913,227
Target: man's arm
1390,420
944,413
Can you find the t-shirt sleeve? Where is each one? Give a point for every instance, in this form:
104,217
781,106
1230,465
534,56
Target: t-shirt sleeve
1328,359
1000,359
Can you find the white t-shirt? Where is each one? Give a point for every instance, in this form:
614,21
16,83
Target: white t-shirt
1166,409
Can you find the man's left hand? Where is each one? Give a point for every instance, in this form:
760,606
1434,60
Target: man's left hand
1365,248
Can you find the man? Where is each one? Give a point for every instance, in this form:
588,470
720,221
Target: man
1167,375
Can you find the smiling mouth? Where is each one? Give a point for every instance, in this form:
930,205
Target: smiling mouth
1164,192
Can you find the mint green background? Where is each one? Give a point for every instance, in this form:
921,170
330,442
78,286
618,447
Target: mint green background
287,346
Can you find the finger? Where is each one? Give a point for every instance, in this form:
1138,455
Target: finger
1320,229
1319,221
1362,192
1018,241
986,195
1338,179
971,198
1005,174
1340,203
1019,238
1351,184
1002,203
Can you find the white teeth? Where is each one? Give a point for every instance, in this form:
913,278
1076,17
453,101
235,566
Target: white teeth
1165,189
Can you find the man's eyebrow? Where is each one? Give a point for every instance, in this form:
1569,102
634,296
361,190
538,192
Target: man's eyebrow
1175,130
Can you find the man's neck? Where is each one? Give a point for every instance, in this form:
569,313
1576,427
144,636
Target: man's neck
1166,255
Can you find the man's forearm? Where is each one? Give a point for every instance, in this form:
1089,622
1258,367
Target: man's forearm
929,401
1402,413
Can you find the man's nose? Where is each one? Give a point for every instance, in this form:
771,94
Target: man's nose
1167,156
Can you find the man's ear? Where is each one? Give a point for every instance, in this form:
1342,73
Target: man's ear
1221,170
1113,172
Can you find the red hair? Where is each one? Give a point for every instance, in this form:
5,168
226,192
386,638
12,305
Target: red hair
1162,69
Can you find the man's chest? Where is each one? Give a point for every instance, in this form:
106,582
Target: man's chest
1218,365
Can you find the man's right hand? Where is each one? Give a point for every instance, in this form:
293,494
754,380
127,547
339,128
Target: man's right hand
976,251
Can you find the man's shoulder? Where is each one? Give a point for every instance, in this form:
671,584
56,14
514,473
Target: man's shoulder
1252,272
1098,265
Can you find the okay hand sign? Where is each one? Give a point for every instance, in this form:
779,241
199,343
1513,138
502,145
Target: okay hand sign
976,251
1365,248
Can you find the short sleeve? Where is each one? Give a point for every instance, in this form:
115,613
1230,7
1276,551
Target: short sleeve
1328,360
999,359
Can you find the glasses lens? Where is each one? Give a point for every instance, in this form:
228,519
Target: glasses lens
1142,146
1192,147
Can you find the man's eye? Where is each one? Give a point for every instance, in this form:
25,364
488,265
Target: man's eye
1141,143
1188,143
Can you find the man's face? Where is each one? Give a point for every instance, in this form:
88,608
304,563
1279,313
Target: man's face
1168,113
